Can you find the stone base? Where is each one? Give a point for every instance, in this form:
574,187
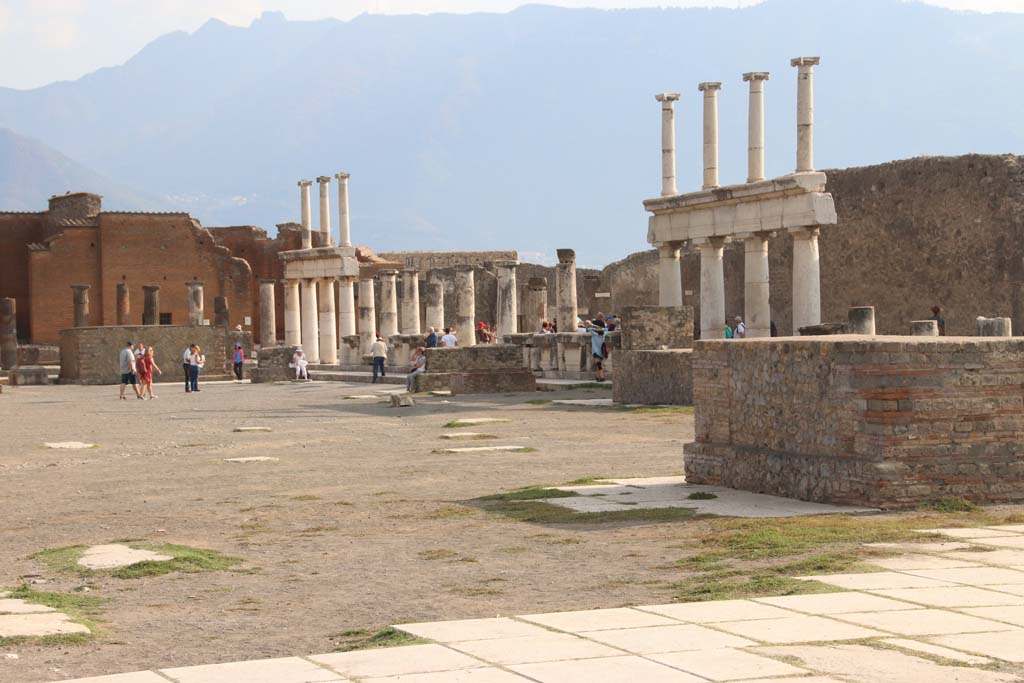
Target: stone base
38,354
500,382
29,375
656,377
273,365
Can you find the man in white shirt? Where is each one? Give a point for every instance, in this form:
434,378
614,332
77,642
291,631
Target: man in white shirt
741,330
186,361
449,340
379,352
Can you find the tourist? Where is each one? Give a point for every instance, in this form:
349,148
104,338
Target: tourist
140,351
186,357
128,370
728,331
195,362
146,365
583,326
379,352
598,348
545,327
599,321
239,361
417,365
939,320
430,341
741,329
449,340
300,363
482,333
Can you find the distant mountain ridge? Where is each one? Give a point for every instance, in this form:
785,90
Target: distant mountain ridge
530,130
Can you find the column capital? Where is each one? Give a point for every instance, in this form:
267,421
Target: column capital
805,61
410,270
805,233
304,183
81,287
566,255
710,242
709,87
756,76
151,288
268,281
667,98
191,283
389,272
323,179
341,175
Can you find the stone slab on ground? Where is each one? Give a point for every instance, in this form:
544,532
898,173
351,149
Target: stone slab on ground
116,555
69,445
970,532
471,421
284,670
718,610
1005,645
465,435
953,596
488,675
598,619
727,664
839,603
593,402
924,622
253,429
797,629
876,581
547,647
134,677
486,449
679,638
605,670
472,629
35,625
936,651
15,606
411,659
252,458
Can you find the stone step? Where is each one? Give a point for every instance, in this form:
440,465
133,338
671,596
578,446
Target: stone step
564,384
352,376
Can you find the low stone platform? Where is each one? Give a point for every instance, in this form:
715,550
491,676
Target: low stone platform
654,377
484,369
29,375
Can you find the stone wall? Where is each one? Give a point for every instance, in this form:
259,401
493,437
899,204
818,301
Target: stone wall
653,377
485,369
657,327
273,365
89,355
890,423
431,260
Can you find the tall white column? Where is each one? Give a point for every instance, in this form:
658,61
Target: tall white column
757,312
805,112
292,316
465,305
346,307
268,314
565,292
325,210
388,303
755,128
367,316
326,321
307,221
310,333
668,142
344,234
806,278
433,301
712,289
670,282
410,323
710,91
508,308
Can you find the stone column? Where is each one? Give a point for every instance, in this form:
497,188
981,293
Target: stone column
388,303
565,290
712,289
151,304
508,308
465,305
307,220
994,327
805,112
537,304
755,127
195,302
367,316
344,234
123,303
757,312
861,320
433,299
292,315
924,328
8,333
668,142
325,210
710,91
327,322
268,314
806,278
346,307
410,323
81,302
221,315
308,317
670,279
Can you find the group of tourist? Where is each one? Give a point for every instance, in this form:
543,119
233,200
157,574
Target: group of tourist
137,368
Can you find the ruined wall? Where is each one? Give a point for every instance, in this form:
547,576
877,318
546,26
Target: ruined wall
653,377
17,231
429,260
72,258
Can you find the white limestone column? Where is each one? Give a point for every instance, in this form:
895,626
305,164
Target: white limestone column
325,210
367,316
712,289
268,314
326,321
307,221
565,292
755,127
806,278
668,142
292,315
410,323
710,91
670,282
508,308
433,300
388,303
465,305
757,313
805,112
344,234
308,313
346,307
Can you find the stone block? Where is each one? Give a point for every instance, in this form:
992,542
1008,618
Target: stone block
273,365
28,375
38,354
657,327
653,377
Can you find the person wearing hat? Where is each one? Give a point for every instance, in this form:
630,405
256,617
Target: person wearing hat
299,362
239,360
379,352
128,376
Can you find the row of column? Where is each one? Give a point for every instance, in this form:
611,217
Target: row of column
150,306
344,229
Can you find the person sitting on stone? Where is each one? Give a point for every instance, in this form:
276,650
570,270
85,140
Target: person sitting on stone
430,341
300,362
417,365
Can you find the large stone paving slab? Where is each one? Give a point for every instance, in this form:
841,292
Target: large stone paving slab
971,532
937,651
656,639
15,606
718,610
598,620
546,648
1005,645
910,562
395,661
836,603
115,555
1006,557
472,629
727,664
606,670
134,677
877,580
1008,614
488,675
951,596
35,625
284,670
802,629
977,576
924,622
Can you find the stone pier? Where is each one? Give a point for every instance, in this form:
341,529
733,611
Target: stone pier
565,291
367,316
805,112
757,313
328,325
308,316
344,231
994,327
465,305
861,320
307,220
670,277
325,210
507,305
710,91
712,288
8,333
221,314
536,305
268,314
346,307
81,303
388,303
195,303
668,142
123,303
410,323
755,126
924,328
292,313
433,305
151,304
806,278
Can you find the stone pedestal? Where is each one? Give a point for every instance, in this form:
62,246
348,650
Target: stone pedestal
410,323
805,112
195,303
465,307
668,142
924,328
861,320
221,314
328,326
307,220
712,289
268,314
8,333
806,278
308,314
81,303
388,303
536,305
670,282
565,275
755,126
367,316
507,305
151,304
710,91
433,310
346,307
325,210
292,314
757,312
123,303
994,327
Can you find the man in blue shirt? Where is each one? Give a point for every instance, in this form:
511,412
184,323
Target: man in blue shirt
430,341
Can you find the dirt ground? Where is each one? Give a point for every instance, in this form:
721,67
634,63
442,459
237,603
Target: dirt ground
356,526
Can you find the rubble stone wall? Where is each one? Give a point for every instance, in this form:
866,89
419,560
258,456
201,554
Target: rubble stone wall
653,377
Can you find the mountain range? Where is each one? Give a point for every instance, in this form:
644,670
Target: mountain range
530,130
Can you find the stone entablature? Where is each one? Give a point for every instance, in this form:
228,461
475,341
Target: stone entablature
321,262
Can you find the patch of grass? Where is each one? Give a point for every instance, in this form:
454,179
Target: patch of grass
437,554
363,639
529,493
950,504
587,481
185,559
728,586
539,512
314,530
308,496
63,560
449,511
513,549
81,609
475,437
702,495
341,502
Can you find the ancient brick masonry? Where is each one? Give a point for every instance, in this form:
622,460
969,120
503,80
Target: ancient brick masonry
485,369
654,365
842,419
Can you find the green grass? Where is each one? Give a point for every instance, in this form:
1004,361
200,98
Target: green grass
63,560
951,504
185,559
588,481
81,609
529,493
475,437
539,512
701,495
365,639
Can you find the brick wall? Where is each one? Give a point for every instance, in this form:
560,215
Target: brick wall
73,258
890,423
74,206
17,231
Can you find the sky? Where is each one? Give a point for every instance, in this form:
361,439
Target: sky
42,41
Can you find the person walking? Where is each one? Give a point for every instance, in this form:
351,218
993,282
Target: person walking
741,330
417,365
379,352
196,362
430,341
186,364
939,320
147,365
239,361
449,340
128,371
598,348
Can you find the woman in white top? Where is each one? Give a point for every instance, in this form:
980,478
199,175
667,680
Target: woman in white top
299,362
417,364
195,361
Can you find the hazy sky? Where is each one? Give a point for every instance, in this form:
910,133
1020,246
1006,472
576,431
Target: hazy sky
49,40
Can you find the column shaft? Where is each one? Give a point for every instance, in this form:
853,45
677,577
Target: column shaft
308,315
327,323
433,299
805,112
367,316
123,303
8,333
465,306
410,302
346,307
344,234
806,279
670,283
710,91
712,290
151,305
292,314
508,308
221,314
565,292
81,303
537,305
307,220
668,142
757,314
196,309
325,210
755,126
388,303
268,314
